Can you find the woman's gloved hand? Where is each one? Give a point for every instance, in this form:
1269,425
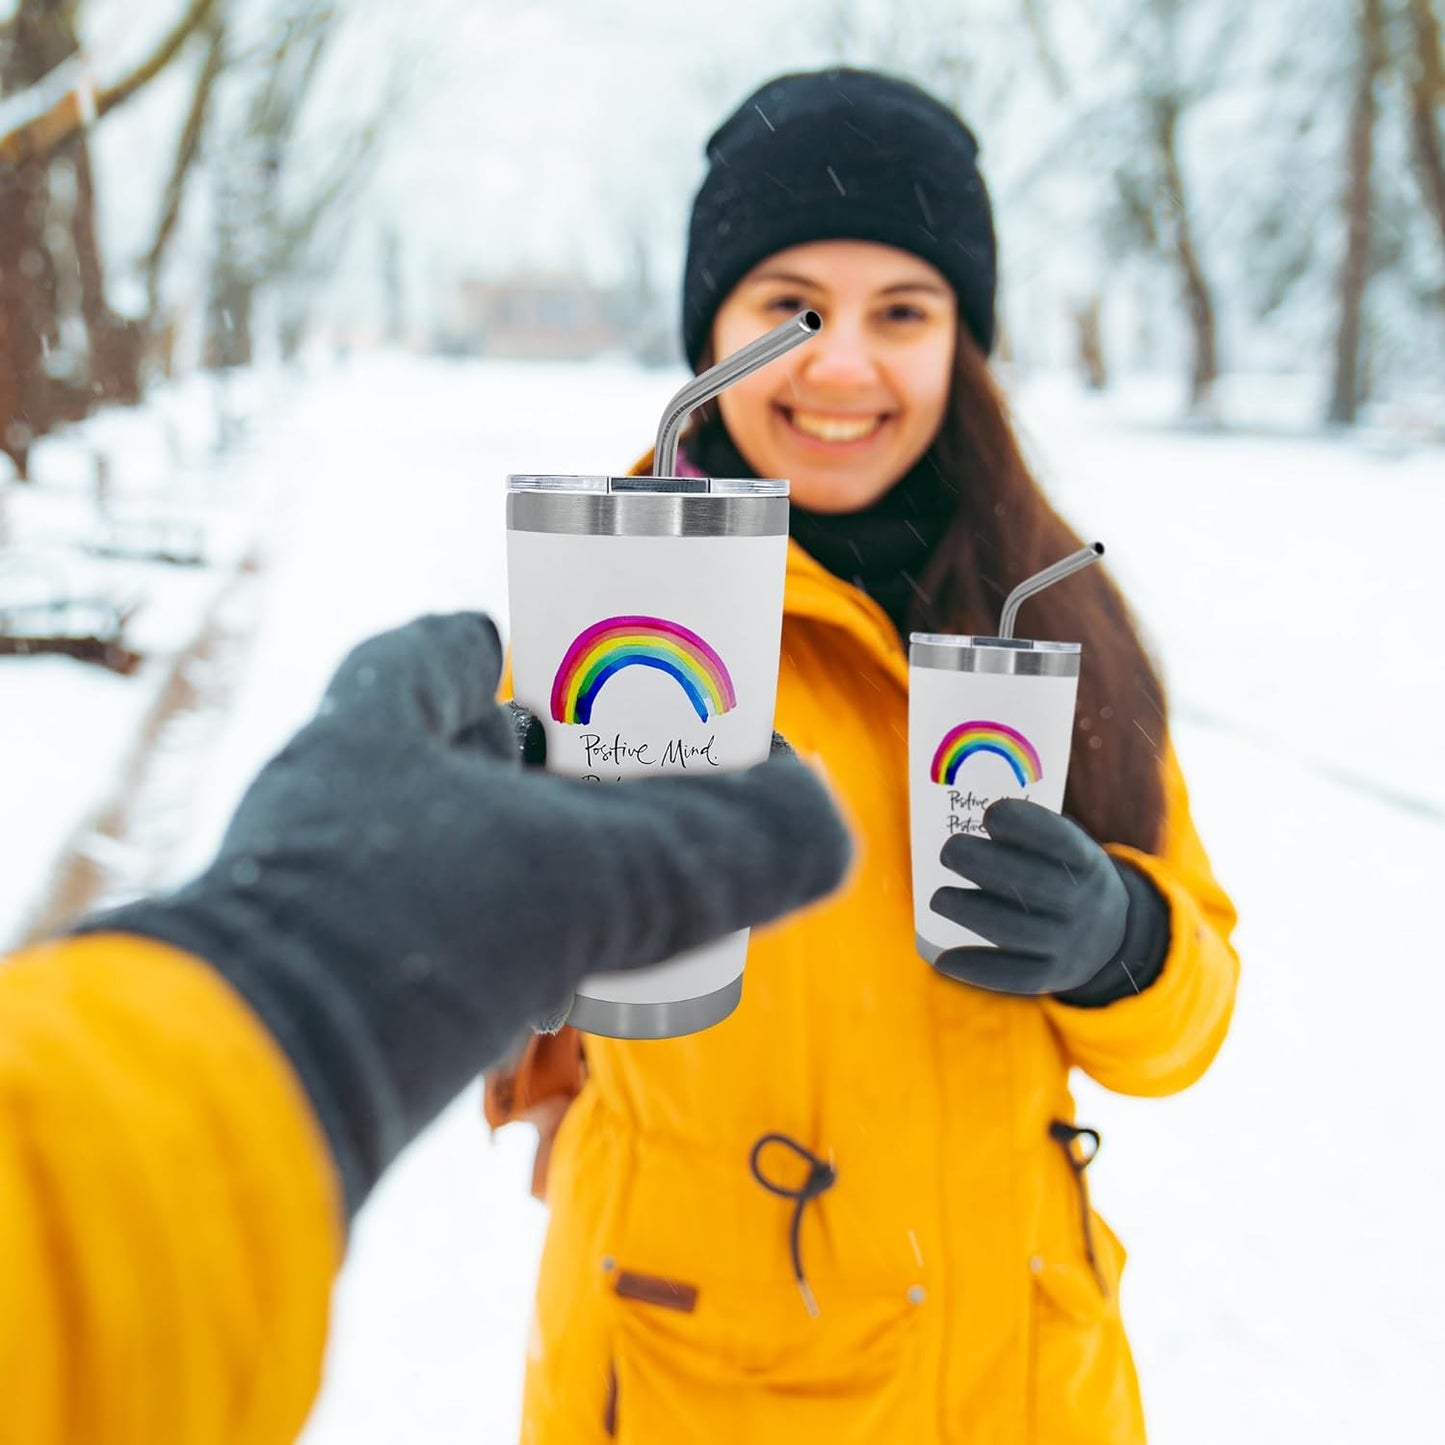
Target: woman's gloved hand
1066,918
397,897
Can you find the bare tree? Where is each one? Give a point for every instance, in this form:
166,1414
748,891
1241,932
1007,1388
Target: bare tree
1123,104
1424,69
49,100
188,148
1089,343
1347,390
270,226
1087,313
39,37
1174,214
1172,71
393,285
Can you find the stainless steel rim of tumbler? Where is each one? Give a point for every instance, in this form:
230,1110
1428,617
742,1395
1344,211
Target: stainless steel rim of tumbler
614,1019
1015,661
646,514
927,951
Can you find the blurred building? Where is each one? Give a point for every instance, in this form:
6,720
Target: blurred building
536,316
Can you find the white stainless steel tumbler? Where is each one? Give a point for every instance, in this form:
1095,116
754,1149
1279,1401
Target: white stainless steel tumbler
988,718
646,619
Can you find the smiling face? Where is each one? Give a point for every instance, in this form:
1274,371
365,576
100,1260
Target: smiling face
845,415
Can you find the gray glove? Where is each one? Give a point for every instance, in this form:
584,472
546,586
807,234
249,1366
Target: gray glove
531,740
397,897
1066,918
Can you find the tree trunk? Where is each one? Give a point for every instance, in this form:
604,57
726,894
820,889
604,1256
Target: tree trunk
35,42
228,328
231,294
23,333
1177,225
114,344
110,367
1347,391
39,38
1425,71
393,286
1089,334
187,149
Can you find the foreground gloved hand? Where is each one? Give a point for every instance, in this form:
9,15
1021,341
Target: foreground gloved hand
397,897
1066,918
531,743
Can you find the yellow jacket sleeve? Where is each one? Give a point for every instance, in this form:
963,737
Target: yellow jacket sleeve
170,1219
1163,1039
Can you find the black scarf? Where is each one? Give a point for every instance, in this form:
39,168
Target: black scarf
883,549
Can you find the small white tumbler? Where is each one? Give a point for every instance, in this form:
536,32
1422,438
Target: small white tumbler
988,718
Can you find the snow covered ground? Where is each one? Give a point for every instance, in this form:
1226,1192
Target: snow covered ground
1287,1277
68,731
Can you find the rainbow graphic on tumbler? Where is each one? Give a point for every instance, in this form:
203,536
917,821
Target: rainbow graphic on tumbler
605,648
967,739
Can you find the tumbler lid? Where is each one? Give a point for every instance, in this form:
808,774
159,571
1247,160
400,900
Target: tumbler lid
954,639
589,506
951,652
652,486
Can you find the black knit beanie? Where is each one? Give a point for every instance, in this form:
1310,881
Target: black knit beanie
833,155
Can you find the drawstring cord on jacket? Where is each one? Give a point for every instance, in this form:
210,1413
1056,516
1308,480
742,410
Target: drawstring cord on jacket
821,1178
1066,1136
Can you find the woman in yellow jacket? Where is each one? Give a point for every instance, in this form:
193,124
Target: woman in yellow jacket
199,1091
855,1212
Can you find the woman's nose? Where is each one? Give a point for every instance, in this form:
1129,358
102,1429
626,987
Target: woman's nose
838,356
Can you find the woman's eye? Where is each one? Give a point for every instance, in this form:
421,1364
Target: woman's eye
904,313
791,305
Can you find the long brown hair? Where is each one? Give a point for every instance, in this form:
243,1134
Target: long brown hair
1005,529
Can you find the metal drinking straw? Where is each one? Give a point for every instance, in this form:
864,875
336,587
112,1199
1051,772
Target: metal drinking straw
781,339
1026,589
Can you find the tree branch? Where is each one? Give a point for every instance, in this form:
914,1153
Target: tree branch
1054,73
35,123
187,149
197,13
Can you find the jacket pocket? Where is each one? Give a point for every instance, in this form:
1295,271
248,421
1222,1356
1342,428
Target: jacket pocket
724,1362
1082,1386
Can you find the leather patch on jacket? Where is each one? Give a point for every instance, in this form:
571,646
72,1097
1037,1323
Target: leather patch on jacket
649,1289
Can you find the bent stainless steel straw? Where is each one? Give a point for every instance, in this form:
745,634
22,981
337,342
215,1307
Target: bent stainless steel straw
756,354
1026,589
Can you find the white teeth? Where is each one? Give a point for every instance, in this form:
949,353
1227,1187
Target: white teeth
836,429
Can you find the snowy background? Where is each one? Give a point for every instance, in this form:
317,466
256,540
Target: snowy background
1287,1271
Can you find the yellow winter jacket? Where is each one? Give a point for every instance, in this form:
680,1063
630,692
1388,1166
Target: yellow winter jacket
964,1292
170,1218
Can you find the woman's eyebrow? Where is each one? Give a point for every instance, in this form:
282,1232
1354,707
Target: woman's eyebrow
791,278
932,287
